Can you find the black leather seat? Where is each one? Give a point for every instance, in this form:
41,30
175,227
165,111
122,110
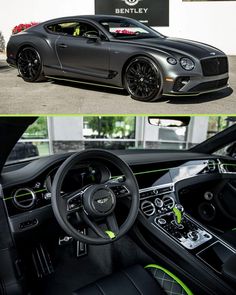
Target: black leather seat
135,281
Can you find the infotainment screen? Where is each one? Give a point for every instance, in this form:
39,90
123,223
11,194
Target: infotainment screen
172,174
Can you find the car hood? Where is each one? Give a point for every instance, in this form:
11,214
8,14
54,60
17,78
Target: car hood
181,46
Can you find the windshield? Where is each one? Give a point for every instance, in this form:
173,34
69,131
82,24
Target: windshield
54,135
129,29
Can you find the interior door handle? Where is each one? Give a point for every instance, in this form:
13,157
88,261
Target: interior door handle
63,45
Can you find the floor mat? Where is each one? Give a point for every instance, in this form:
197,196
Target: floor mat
72,273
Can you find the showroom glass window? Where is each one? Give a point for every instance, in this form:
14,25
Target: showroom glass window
109,132
33,143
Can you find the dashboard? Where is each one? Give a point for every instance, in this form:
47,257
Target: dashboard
160,176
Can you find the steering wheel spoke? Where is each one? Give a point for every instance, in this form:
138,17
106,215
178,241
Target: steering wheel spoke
91,224
73,201
112,224
120,188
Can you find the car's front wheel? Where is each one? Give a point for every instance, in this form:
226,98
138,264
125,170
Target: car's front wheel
29,65
143,79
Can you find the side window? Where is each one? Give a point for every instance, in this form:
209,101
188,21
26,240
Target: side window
76,29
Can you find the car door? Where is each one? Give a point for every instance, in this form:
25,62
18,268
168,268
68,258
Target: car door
84,56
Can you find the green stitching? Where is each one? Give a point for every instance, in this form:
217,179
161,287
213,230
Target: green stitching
186,289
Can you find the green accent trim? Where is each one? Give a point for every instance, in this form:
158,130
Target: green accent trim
26,194
233,229
110,234
115,114
178,214
156,170
186,289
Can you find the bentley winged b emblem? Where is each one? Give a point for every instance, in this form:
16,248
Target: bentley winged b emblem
102,201
131,2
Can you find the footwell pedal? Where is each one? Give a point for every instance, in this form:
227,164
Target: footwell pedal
42,261
64,240
81,248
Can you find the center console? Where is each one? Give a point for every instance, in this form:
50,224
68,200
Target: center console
162,211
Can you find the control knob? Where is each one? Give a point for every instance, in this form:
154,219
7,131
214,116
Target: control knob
193,236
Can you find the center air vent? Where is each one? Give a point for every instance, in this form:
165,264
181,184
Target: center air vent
168,202
148,208
24,198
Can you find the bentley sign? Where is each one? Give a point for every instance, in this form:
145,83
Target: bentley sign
151,12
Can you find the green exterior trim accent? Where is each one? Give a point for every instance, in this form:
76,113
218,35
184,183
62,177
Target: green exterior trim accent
178,214
233,229
186,289
110,234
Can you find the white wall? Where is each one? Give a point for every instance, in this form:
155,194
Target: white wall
210,22
66,128
198,129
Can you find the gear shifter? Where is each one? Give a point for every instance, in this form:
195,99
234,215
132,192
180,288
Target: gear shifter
178,211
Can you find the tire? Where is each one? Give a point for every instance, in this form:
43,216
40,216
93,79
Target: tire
143,79
29,65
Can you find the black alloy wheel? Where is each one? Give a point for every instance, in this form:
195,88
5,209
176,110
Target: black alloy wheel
30,65
143,79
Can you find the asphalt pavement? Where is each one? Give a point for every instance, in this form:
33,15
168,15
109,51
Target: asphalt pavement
51,97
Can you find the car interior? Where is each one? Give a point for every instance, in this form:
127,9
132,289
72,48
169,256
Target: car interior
75,29
126,221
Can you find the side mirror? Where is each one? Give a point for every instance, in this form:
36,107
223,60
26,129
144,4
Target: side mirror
92,36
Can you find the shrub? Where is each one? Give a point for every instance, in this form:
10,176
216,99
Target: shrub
2,43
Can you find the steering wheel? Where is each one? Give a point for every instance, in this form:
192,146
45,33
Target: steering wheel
96,202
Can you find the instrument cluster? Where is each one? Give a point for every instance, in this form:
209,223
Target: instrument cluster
37,193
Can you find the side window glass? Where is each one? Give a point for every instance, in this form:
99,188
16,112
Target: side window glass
68,28
76,29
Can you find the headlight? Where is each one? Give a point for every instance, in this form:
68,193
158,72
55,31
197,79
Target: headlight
187,64
172,60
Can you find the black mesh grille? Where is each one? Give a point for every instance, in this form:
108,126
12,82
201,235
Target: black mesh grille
215,66
209,85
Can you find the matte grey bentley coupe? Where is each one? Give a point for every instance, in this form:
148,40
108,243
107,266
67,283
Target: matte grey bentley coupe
118,52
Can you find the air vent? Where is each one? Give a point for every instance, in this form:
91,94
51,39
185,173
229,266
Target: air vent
211,165
148,208
168,202
24,198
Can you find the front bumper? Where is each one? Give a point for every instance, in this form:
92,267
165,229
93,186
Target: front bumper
195,85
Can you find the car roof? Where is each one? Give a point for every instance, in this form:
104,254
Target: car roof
96,18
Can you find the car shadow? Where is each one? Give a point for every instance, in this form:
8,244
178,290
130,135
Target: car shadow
168,99
97,88
4,66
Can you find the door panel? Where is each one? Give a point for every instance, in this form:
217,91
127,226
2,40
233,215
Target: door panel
80,55
226,200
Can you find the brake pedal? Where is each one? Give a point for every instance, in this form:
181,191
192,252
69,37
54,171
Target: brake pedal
42,261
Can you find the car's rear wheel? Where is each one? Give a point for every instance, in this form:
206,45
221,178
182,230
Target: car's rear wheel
143,79
29,65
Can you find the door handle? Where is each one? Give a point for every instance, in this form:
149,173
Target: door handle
63,45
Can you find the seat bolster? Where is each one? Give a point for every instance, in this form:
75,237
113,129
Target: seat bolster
133,281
